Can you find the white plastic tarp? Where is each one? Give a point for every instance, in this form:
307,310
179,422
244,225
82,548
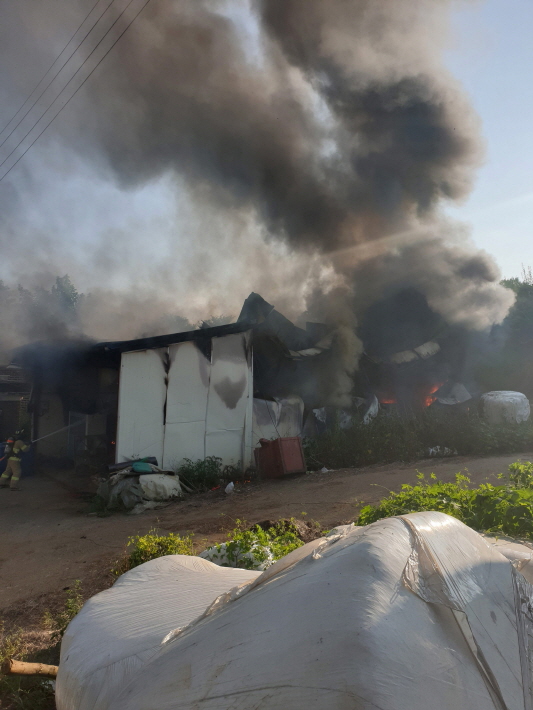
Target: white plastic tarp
120,629
279,418
160,486
519,553
409,613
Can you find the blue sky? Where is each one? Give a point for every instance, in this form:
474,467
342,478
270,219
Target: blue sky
493,58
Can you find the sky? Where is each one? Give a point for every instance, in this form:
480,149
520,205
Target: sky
492,56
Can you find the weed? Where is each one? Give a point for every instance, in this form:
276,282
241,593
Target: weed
247,547
24,693
506,509
255,547
521,474
150,546
57,623
73,605
203,474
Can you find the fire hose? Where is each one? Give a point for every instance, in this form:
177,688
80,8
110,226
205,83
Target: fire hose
69,426
57,431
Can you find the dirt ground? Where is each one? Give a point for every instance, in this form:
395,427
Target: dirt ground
48,540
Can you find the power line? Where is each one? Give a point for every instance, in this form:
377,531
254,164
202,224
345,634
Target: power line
79,87
51,82
49,68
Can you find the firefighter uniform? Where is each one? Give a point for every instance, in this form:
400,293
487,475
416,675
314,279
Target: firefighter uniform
13,467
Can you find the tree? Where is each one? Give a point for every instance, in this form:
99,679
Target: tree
66,294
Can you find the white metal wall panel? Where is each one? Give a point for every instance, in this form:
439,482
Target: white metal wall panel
199,408
228,425
188,388
141,401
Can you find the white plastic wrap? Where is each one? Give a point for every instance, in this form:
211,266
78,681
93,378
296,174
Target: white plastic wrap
505,407
159,486
409,613
118,630
281,417
519,553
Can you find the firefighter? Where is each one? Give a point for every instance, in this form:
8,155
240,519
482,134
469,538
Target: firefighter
15,446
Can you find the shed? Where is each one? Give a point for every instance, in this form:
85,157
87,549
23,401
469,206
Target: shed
186,395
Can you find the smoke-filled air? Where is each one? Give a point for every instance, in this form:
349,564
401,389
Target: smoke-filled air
309,148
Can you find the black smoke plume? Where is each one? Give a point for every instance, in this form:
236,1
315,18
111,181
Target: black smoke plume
333,123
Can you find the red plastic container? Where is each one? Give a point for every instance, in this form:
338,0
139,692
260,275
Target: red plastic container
280,457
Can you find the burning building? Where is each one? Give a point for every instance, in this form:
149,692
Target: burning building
184,395
216,391
330,129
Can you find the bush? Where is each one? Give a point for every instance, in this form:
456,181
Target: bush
506,509
255,548
150,546
205,474
248,548
390,437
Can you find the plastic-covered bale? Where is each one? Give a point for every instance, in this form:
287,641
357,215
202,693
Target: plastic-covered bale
408,613
520,553
120,629
505,407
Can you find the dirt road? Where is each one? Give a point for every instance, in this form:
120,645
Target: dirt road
48,540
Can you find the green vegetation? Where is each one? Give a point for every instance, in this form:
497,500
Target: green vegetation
256,547
208,473
58,623
390,437
505,509
142,548
249,546
17,692
505,362
27,693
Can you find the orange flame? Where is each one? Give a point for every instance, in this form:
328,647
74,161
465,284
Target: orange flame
429,399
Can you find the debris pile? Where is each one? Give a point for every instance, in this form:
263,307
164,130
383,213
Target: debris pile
138,487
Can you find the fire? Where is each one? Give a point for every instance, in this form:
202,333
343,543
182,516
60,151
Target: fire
426,396
429,399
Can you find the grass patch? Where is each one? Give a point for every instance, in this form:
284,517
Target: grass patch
28,693
57,623
17,692
505,509
390,437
